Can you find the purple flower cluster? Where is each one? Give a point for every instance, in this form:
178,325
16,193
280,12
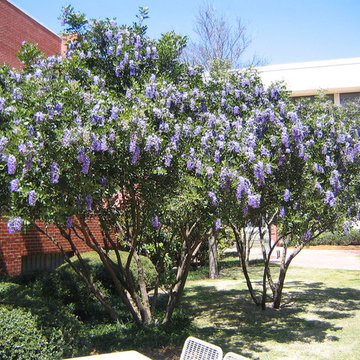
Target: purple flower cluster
213,198
156,223
14,185
32,197
14,224
55,173
11,164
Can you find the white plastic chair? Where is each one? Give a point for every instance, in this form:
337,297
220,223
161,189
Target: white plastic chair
196,349
233,356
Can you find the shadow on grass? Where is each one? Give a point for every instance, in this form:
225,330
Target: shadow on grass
239,325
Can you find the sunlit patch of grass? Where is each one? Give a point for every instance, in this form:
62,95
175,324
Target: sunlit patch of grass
320,319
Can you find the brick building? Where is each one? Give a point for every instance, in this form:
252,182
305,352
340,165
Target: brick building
29,250
16,27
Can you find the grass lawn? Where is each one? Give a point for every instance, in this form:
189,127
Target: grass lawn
320,319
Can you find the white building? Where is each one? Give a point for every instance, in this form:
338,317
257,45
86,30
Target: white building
340,79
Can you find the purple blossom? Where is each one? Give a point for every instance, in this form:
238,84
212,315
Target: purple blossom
68,222
217,156
265,151
243,187
259,172
28,165
285,138
14,185
254,200
96,79
88,200
319,187
132,145
32,197
2,103
156,223
268,169
334,179
103,143
330,198
282,211
245,209
3,143
236,110
132,67
154,52
213,198
22,148
136,155
85,165
58,108
14,224
307,236
11,164
157,112
190,165
286,195
108,34
54,172
293,116
150,91
167,161
112,135
328,161
66,138
217,224
103,181
114,113
153,141
30,131
209,171
234,146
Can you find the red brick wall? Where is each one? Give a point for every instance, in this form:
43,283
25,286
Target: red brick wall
274,234
32,242
16,27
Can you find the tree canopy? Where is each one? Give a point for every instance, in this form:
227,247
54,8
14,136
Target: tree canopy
161,154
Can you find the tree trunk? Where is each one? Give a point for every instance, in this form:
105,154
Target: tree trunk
213,261
242,256
279,288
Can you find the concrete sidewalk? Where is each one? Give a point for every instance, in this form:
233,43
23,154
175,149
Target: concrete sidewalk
330,257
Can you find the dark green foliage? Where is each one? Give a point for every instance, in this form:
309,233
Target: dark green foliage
108,337
54,316
338,238
66,286
21,338
100,274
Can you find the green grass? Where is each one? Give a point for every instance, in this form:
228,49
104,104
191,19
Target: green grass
320,318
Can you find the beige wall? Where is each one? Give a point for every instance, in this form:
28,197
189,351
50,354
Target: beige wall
303,79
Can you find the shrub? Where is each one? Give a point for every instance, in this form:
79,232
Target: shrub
65,285
22,339
338,238
100,273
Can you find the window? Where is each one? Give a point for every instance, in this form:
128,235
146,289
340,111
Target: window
349,97
41,262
